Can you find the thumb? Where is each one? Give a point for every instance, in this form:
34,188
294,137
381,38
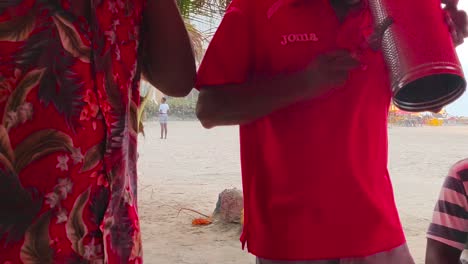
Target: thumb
450,3
461,22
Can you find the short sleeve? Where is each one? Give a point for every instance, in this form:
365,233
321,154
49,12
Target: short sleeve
228,58
450,219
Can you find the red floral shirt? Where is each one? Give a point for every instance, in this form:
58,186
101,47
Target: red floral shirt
69,82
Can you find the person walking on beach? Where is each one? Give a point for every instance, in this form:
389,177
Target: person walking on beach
274,64
447,236
163,117
69,93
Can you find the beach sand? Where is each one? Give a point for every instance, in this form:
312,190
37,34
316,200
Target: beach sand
191,167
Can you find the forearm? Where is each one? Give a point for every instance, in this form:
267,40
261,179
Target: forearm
439,253
256,98
167,58
243,103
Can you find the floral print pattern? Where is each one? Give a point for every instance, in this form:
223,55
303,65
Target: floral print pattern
69,82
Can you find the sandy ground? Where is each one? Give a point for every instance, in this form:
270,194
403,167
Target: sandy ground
194,165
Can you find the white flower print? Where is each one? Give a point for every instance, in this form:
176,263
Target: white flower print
92,250
52,199
111,36
77,156
12,119
117,53
62,216
115,23
24,112
112,7
121,4
67,183
61,191
62,163
63,188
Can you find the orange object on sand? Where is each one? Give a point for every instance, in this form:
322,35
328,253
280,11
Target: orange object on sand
201,221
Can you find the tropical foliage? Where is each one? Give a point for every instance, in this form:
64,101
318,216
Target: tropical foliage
202,8
201,14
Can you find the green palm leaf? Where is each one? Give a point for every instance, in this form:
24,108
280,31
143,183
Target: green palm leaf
18,28
36,248
208,8
19,95
76,228
6,151
39,145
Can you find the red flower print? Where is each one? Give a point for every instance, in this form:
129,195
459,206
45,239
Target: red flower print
101,179
91,109
105,106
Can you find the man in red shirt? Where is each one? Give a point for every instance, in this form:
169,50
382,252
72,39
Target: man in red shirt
311,99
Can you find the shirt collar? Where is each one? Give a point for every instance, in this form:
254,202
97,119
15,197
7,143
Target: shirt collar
297,3
361,5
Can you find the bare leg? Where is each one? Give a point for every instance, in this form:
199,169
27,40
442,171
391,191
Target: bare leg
165,131
162,130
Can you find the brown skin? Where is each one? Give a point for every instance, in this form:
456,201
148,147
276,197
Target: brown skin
342,7
458,23
167,56
235,104
439,253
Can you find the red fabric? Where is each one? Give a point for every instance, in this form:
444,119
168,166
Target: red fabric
68,98
315,177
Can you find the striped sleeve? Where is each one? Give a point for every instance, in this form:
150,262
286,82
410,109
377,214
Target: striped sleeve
450,220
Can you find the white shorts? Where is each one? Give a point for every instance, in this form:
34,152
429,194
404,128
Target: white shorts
163,118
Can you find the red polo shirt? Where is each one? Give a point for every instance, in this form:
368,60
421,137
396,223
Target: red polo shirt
315,177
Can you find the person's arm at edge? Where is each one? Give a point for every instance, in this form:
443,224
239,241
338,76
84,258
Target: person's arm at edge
446,237
440,253
167,61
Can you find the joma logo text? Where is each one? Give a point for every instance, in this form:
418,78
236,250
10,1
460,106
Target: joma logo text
291,38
